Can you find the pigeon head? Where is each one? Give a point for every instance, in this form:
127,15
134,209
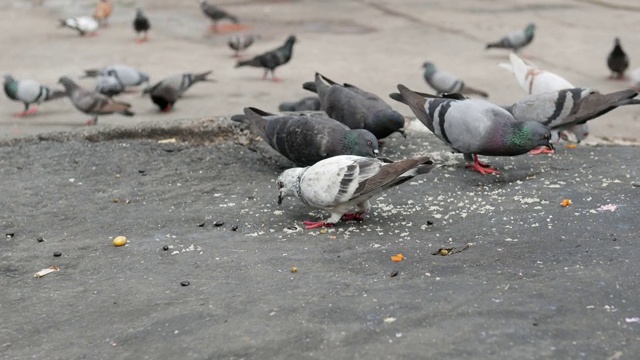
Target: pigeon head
291,40
162,103
289,183
385,122
525,136
530,30
360,142
144,77
429,68
8,78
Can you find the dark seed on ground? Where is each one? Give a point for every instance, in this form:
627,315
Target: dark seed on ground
57,254
40,239
429,222
184,283
165,248
201,225
218,223
394,273
234,228
141,171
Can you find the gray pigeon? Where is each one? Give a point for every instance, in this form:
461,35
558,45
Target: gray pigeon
617,61
166,92
356,108
561,110
126,75
337,184
141,24
108,85
239,43
270,60
444,82
93,103
311,103
216,14
29,92
516,39
475,127
307,139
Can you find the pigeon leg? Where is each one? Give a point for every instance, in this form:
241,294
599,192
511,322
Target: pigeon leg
168,108
24,112
214,27
32,110
93,121
480,167
264,76
316,224
541,150
274,77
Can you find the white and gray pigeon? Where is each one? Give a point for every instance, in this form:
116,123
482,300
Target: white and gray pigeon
310,103
445,82
126,75
307,139
240,43
29,92
216,14
474,127
93,103
534,81
270,60
337,184
356,108
562,109
166,92
108,85
84,25
617,61
515,40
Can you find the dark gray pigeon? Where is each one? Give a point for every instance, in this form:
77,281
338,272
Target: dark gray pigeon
166,92
29,92
444,82
93,103
270,60
311,103
516,39
617,61
356,108
341,182
475,127
141,24
216,14
239,43
307,139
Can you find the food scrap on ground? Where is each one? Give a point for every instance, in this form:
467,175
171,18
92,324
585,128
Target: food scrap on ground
119,241
46,271
565,203
608,207
397,258
450,250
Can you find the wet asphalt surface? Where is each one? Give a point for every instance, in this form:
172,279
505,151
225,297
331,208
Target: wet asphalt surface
537,280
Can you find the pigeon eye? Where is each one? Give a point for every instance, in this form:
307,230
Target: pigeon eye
369,142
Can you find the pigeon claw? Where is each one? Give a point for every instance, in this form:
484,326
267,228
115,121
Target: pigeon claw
541,150
483,169
316,224
352,217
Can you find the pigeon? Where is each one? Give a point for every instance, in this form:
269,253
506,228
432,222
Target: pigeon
272,59
356,108
534,81
29,92
103,11
108,85
166,92
474,127
444,82
239,43
141,24
216,14
307,139
93,103
516,39
617,61
634,76
126,75
338,183
311,103
84,25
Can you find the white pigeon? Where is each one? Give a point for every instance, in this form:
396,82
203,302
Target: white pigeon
108,85
635,79
338,183
535,81
82,24
126,75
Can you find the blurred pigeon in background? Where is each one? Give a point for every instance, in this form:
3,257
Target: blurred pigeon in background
216,14
310,103
141,24
166,92
474,127
307,139
617,61
516,39
29,92
108,85
444,82
239,43
270,60
93,103
84,25
126,75
338,183
103,11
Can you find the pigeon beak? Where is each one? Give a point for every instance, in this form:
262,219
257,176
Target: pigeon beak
550,146
375,152
280,199
403,133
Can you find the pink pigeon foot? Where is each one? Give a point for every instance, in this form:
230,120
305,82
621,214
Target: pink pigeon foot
481,167
541,150
316,224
